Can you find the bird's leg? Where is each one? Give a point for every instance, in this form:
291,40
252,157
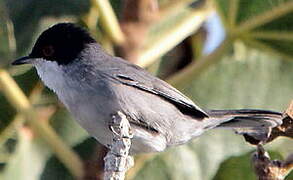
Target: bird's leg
117,160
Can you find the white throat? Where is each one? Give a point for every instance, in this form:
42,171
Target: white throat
51,74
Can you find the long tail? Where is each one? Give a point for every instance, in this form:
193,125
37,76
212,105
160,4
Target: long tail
249,122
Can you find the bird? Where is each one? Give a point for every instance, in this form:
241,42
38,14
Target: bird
93,85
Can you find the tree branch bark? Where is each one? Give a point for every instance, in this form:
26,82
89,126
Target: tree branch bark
117,160
267,169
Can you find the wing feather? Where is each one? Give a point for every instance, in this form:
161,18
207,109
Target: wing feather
134,76
167,92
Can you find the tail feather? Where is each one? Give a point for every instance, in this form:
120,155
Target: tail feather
248,122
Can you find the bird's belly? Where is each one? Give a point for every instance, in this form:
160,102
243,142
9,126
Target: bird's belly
142,141
94,117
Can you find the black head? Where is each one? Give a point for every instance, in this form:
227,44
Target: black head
61,43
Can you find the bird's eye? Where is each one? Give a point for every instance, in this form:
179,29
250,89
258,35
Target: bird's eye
48,51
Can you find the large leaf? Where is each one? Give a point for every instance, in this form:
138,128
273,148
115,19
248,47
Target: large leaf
237,167
65,125
264,24
56,170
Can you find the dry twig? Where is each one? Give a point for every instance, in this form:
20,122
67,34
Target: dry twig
267,169
117,160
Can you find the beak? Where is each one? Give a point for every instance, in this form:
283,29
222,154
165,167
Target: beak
23,60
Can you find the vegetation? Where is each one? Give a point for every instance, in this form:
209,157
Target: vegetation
251,68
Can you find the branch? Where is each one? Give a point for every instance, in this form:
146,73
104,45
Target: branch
286,129
117,160
109,21
267,169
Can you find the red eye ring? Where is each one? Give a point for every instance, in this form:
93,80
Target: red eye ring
48,51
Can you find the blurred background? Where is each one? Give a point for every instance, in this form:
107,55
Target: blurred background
223,54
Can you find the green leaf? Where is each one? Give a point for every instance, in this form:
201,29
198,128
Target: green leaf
263,24
155,169
282,23
248,9
65,125
54,169
240,167
283,47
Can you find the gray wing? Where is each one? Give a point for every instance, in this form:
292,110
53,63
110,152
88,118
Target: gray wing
132,75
